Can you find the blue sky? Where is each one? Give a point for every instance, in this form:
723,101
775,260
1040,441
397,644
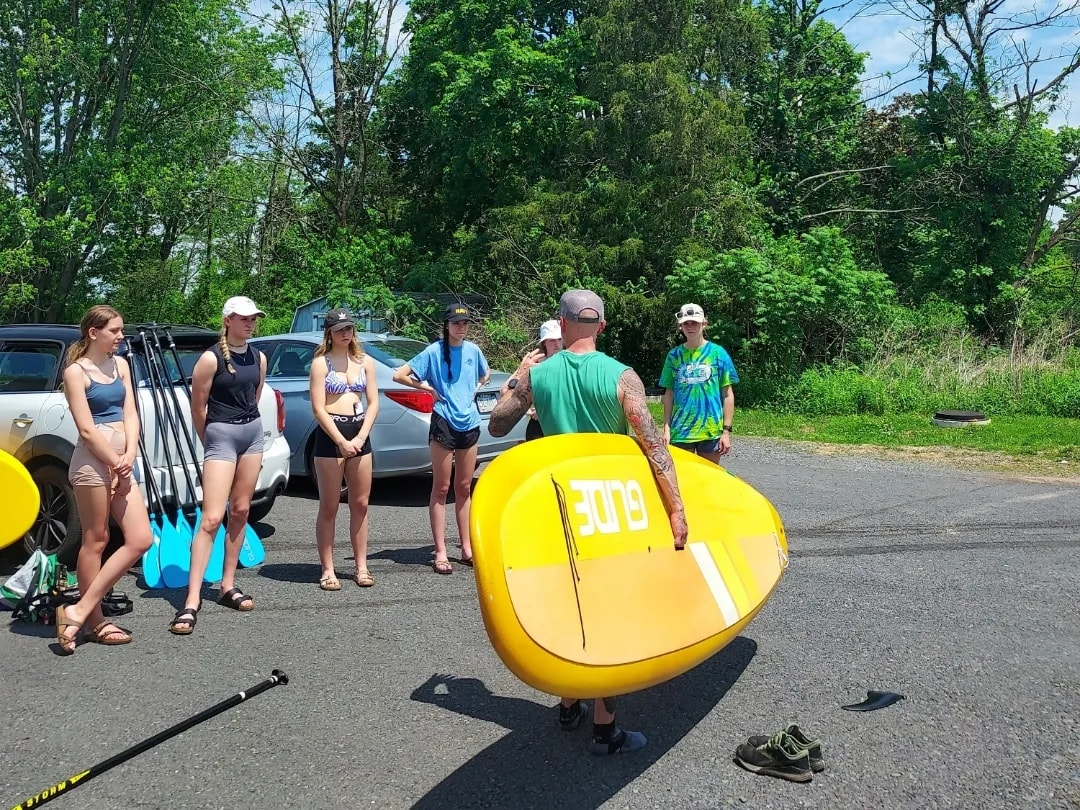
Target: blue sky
892,37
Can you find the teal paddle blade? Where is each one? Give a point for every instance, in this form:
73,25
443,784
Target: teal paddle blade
215,566
251,552
175,554
151,559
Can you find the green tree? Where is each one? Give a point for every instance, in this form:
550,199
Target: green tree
110,115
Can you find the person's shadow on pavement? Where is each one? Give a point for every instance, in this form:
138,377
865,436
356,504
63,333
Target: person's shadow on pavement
538,765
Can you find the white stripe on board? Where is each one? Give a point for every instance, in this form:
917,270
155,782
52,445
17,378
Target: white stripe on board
715,582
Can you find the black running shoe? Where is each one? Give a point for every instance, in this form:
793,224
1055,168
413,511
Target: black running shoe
780,756
618,742
570,717
813,747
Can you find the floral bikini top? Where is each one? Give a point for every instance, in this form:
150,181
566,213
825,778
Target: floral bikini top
338,384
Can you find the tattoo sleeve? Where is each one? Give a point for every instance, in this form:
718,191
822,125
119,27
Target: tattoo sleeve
511,408
635,406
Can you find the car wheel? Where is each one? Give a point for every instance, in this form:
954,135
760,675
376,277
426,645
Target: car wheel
314,476
260,511
57,529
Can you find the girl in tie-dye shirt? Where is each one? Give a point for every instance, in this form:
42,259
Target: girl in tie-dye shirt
697,379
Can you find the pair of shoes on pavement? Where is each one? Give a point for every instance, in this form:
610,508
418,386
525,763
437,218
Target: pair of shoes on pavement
788,754
605,741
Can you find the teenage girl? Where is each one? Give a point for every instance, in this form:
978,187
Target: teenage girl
345,400
450,369
225,387
97,385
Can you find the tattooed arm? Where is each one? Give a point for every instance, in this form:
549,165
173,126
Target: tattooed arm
632,396
513,404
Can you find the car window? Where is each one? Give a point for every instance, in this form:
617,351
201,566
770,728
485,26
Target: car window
394,352
28,365
188,358
291,360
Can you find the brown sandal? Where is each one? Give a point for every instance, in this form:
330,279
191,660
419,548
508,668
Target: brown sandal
363,578
330,584
442,567
67,645
100,636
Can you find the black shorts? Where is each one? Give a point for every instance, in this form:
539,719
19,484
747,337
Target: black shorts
533,430
444,435
349,427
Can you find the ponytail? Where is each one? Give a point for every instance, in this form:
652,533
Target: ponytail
225,354
446,350
96,317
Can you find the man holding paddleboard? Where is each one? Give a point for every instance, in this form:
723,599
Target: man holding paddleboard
582,390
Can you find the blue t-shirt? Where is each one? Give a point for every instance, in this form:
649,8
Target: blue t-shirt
457,404
698,377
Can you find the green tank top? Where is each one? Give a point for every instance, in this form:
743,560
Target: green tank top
578,393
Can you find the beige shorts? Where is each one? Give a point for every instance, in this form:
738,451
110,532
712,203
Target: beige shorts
87,470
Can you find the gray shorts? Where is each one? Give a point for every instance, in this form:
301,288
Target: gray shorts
227,441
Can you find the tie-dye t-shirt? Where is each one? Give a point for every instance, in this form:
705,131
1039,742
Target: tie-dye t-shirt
698,378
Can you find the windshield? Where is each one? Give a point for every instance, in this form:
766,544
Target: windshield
394,352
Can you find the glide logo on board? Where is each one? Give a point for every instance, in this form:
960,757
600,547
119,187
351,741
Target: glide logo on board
608,506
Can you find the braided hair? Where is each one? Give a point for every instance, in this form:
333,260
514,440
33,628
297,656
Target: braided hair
226,355
446,350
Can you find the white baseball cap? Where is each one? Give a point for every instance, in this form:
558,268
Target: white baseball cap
241,305
549,330
691,312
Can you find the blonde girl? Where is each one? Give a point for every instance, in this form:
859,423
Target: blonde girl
226,384
345,401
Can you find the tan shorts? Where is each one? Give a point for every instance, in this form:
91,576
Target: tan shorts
87,470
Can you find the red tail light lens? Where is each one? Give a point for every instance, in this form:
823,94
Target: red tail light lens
280,400
420,401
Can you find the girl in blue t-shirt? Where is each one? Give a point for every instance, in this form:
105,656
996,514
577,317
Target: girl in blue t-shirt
451,370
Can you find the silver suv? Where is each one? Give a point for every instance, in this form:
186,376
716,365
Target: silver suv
36,427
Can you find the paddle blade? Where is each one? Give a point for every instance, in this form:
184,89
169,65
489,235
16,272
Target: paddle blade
175,554
215,566
151,560
251,552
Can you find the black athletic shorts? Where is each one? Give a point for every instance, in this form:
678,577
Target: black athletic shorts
443,434
349,426
533,430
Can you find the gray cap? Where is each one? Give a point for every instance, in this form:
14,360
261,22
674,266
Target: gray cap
574,302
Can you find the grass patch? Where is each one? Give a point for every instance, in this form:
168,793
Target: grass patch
1030,444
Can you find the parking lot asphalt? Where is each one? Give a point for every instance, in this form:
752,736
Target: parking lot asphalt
955,588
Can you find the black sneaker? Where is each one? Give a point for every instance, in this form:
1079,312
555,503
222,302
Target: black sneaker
780,756
813,747
570,717
618,743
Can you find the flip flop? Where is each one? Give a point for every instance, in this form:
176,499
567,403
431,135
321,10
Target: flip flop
442,567
96,635
330,584
466,561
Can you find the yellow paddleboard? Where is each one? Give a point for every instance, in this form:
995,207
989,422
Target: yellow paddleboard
581,589
21,500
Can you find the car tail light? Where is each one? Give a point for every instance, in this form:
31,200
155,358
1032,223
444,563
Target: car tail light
280,400
420,401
